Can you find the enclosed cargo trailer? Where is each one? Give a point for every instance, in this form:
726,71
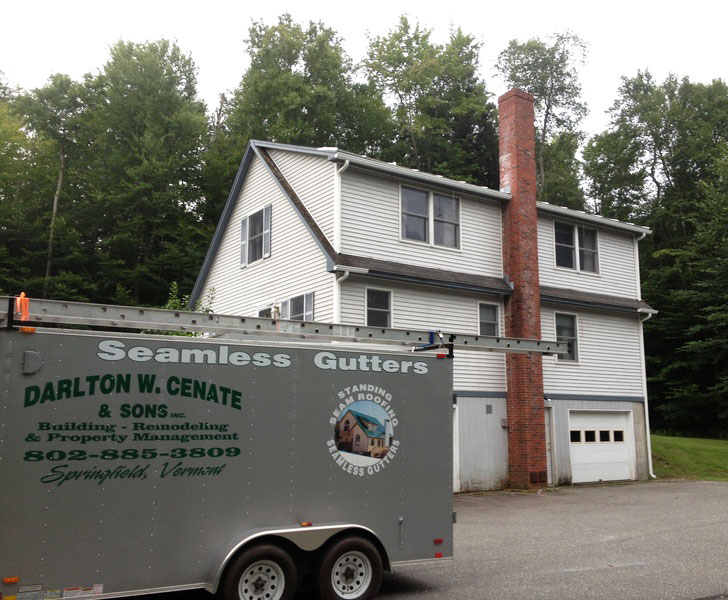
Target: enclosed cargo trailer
135,462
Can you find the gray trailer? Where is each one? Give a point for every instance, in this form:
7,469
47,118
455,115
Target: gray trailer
240,460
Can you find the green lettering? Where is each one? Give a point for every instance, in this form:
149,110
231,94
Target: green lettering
64,388
48,393
32,394
91,380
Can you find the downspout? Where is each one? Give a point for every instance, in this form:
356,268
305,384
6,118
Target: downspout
337,237
644,392
337,299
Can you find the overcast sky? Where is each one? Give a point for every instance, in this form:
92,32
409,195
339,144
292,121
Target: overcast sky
686,38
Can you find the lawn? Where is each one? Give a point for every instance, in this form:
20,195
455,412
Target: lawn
689,458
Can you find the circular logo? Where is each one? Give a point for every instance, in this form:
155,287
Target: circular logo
364,424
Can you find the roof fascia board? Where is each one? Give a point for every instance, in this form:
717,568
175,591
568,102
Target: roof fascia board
222,224
398,172
324,152
577,215
547,299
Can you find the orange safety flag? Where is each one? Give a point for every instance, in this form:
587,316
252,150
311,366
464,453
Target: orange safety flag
22,305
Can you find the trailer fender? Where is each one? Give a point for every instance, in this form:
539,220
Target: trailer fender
307,539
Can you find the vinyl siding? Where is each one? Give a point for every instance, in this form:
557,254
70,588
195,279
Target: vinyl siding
617,275
296,264
608,351
370,226
312,178
421,308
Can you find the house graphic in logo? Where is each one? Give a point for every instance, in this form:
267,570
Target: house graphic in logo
364,429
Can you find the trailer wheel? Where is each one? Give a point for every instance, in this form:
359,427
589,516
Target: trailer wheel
263,572
350,569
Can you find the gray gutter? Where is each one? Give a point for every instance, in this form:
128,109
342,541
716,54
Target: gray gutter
577,215
606,302
399,172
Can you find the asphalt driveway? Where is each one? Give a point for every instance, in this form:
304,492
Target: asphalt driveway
641,540
659,540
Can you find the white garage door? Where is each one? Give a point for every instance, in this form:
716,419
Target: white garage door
601,445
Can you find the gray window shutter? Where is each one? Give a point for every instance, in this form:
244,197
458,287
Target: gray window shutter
266,230
308,307
244,242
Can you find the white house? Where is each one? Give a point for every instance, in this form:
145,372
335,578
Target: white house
323,234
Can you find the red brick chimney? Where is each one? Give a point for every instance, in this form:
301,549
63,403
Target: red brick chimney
526,424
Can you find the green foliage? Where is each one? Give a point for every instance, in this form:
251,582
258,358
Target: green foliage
616,175
664,162
690,458
300,89
445,119
562,184
549,70
144,133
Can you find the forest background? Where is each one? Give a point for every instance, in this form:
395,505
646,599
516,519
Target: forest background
110,187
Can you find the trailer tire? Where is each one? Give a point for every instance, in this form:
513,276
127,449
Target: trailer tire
264,572
350,569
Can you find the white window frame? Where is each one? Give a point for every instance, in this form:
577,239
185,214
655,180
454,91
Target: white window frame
265,235
309,301
577,354
390,310
577,258
430,231
497,317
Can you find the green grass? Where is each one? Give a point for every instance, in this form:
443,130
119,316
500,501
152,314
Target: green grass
689,458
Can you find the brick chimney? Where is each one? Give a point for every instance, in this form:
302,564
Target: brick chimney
526,419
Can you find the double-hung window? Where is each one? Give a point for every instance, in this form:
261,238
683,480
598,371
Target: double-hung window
566,332
430,217
255,236
379,308
576,247
298,308
488,317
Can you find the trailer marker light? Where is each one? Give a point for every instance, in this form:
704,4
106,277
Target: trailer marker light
442,356
306,523
438,555
11,579
26,329
438,541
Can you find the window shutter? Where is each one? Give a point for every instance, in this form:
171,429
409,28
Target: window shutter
308,307
284,310
266,230
244,242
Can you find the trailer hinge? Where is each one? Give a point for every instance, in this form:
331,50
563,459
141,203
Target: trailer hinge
454,517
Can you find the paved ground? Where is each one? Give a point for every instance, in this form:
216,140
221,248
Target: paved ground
658,540
655,540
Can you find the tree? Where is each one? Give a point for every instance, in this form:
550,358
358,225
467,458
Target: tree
549,70
664,162
300,89
53,112
144,136
616,177
562,167
445,119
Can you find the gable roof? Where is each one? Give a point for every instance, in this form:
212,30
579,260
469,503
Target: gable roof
392,270
364,420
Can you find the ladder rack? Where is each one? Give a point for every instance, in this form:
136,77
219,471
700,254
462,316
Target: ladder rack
107,316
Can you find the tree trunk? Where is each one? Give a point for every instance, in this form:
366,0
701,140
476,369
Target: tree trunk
59,184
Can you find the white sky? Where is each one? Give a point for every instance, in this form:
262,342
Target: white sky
42,37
